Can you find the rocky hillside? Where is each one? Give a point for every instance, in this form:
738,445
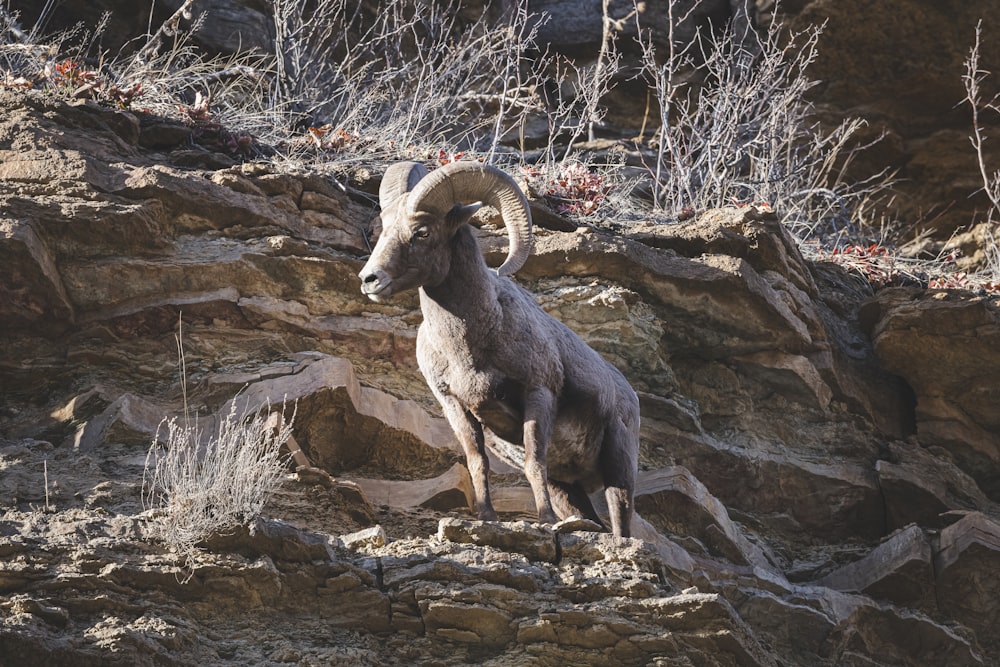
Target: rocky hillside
819,468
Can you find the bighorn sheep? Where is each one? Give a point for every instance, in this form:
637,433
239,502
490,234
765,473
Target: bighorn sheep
508,375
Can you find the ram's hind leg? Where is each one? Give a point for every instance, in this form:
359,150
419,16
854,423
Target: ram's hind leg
619,464
571,500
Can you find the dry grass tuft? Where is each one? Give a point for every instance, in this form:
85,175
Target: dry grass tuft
206,486
196,485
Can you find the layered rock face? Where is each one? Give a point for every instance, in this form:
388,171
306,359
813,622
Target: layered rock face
818,477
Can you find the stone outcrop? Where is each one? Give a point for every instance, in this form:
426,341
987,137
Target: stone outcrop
943,346
577,27
229,25
818,468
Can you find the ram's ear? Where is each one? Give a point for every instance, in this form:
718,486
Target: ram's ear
461,214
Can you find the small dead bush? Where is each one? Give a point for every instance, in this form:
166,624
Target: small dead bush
199,486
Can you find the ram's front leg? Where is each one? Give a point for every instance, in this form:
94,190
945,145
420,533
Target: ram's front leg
469,432
539,416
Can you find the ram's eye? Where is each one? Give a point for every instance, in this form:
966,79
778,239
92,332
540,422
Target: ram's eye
421,232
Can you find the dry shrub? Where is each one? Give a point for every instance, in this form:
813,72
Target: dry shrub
737,127
930,263
202,486
407,75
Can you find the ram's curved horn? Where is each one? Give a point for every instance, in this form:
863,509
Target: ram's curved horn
467,182
399,178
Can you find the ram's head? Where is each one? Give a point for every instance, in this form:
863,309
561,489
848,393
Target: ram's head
421,212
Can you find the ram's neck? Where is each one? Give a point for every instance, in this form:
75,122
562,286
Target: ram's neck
467,296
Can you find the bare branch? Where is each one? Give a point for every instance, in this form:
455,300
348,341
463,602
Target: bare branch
973,78
169,28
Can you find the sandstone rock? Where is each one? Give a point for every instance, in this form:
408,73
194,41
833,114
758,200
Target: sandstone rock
55,616
900,570
703,623
341,423
126,417
32,290
275,539
906,638
450,490
966,549
899,65
797,372
575,524
371,538
675,502
576,27
827,496
910,495
467,623
942,344
531,540
614,321
232,26
919,487
854,629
